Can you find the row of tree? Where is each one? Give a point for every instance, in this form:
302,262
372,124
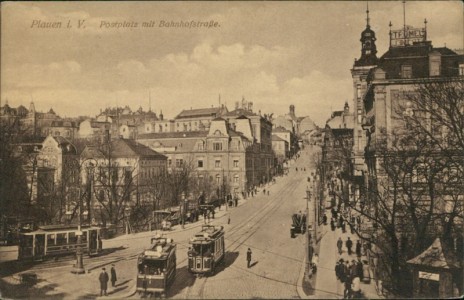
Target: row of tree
415,188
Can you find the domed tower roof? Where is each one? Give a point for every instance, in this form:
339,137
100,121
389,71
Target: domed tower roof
368,47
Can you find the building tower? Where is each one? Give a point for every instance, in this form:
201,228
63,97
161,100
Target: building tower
361,68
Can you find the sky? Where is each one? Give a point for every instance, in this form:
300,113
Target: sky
271,53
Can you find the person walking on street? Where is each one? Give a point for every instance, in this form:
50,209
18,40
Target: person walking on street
103,278
347,292
349,244
332,224
356,288
114,278
337,269
358,248
249,257
341,271
324,219
339,245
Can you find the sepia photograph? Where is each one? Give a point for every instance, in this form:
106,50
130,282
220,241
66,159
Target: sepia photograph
231,149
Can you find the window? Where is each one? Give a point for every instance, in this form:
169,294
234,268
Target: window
235,163
217,146
200,163
358,91
406,71
179,162
235,178
461,70
169,162
217,163
434,67
200,146
218,179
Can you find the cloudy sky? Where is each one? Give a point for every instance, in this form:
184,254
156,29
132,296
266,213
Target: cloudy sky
272,53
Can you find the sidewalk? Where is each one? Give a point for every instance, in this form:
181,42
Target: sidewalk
59,282
327,285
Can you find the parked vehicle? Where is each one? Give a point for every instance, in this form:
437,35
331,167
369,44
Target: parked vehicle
156,267
58,240
207,250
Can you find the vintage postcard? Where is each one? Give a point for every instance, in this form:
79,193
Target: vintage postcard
231,149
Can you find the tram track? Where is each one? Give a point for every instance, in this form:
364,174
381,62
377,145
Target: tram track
258,218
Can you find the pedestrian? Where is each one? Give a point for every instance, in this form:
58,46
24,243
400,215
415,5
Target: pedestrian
341,271
114,278
337,269
332,224
358,248
103,278
324,219
360,270
347,291
349,244
356,288
339,245
343,226
351,228
353,269
249,257
236,201
268,192
212,211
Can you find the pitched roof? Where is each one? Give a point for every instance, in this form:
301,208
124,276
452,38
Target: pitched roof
437,256
280,129
130,148
240,112
199,112
275,138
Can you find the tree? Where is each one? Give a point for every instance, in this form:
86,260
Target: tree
415,189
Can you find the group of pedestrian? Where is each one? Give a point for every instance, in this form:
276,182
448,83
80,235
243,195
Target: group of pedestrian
350,274
349,246
104,278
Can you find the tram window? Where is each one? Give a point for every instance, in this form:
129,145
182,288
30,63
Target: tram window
61,239
50,239
72,238
201,249
152,267
25,241
84,237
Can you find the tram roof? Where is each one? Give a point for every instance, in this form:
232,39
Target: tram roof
58,228
159,251
207,234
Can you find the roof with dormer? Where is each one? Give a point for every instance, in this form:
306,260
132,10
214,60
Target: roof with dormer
417,57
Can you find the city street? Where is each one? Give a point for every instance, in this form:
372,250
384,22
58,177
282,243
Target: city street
261,223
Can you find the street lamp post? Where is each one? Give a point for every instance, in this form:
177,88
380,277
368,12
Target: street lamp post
308,235
79,265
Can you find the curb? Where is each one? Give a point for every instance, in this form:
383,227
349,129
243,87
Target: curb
299,286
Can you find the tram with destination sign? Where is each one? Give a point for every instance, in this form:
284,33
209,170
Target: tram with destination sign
58,240
207,250
156,267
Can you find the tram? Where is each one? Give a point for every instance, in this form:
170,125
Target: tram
156,267
207,250
58,240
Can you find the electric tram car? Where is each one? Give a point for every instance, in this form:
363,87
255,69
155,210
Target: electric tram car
156,267
57,240
207,250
